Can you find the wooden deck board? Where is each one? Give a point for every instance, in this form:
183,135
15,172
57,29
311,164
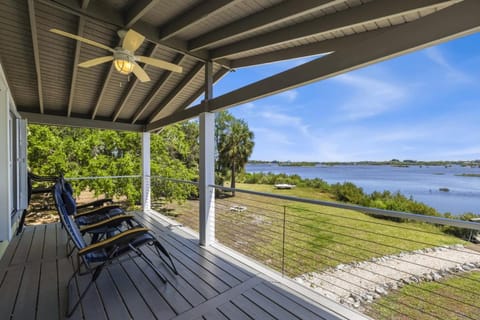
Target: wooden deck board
214,315
209,272
26,302
269,306
178,292
190,276
10,251
21,253
299,301
232,312
9,291
211,285
35,252
67,293
47,306
111,299
91,304
240,274
131,297
159,306
254,311
50,243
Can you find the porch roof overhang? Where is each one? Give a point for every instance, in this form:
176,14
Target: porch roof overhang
48,87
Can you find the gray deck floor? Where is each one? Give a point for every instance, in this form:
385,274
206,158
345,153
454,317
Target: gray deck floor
35,269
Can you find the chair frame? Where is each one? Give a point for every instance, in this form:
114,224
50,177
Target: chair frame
113,248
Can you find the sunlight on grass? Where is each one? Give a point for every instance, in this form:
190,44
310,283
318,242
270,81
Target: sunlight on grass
437,300
316,237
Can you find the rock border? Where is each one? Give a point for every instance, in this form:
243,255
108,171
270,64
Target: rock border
359,298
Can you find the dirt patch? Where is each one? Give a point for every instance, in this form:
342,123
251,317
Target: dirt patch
42,208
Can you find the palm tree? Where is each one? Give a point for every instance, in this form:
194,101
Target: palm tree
235,145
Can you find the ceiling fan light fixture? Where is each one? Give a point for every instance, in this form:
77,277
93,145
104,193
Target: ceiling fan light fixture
123,63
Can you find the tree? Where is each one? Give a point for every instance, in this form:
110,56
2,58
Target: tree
81,152
234,145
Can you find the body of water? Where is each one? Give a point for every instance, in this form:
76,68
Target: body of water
423,183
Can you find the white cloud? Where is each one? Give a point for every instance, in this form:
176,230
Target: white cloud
452,73
271,136
289,95
284,120
368,97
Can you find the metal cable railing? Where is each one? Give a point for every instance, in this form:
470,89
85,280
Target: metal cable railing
177,199
410,269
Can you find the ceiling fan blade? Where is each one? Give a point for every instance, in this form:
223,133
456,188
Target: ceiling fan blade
140,73
82,39
159,63
94,62
132,41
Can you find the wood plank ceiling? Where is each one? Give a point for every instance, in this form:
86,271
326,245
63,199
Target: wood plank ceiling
48,87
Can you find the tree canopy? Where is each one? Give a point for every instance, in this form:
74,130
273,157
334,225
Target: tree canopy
81,152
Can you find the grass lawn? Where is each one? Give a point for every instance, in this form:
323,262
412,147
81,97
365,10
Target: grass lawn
316,237
438,301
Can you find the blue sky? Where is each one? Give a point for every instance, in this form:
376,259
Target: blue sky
423,106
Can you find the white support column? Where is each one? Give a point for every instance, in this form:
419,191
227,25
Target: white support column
146,192
207,177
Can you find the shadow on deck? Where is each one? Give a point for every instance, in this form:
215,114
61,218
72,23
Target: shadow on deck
211,285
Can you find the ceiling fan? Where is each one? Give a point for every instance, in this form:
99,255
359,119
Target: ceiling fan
123,57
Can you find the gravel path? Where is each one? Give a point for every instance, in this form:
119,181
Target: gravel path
362,282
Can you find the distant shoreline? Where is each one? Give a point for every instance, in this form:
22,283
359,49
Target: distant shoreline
393,162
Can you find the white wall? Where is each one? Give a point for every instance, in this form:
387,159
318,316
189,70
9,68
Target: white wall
13,187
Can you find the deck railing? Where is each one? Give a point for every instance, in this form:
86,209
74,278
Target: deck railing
387,264
176,199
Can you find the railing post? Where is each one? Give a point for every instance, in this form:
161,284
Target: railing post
146,192
283,240
207,177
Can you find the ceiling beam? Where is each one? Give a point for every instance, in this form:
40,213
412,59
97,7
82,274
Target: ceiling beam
283,54
73,84
216,77
36,52
186,114
80,122
162,107
193,16
156,89
104,90
265,18
369,12
102,12
133,85
453,22
158,125
137,11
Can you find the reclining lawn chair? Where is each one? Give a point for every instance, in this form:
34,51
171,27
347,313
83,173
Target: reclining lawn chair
90,221
97,209
95,257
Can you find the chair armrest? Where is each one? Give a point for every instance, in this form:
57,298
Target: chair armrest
101,210
106,222
117,240
96,203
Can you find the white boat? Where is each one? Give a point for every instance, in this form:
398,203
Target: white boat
284,186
